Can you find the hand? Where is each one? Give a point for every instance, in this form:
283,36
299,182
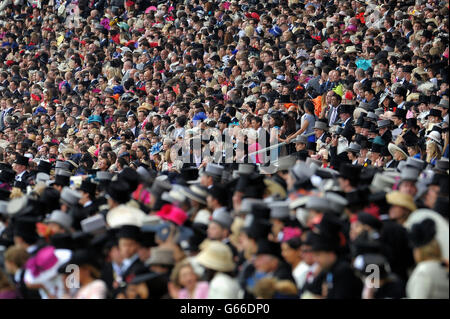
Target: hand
334,141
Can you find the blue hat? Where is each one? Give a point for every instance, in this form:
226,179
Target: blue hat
118,89
156,148
275,31
95,118
40,109
199,116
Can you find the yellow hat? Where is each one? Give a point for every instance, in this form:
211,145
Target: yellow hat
401,199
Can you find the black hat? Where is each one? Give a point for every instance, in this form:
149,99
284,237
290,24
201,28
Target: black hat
422,233
189,173
376,148
330,237
21,160
44,167
156,284
311,146
346,108
401,91
258,229
260,211
370,220
407,68
255,186
349,171
435,112
400,113
410,138
118,191
62,180
7,176
129,231
220,193
25,227
224,119
88,187
131,177
412,122
266,247
82,257
359,121
348,132
441,206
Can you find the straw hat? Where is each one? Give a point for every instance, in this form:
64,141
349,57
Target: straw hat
394,148
401,199
216,256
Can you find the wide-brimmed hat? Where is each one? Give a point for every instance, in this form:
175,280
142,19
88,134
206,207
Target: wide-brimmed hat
395,148
401,199
435,136
216,256
195,192
161,256
125,215
43,267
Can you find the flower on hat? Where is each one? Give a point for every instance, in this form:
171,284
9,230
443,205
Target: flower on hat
35,97
363,64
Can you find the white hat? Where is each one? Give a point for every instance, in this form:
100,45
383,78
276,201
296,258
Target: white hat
435,136
125,215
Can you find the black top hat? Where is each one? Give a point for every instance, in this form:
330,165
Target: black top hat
220,193
266,247
118,191
400,113
348,132
44,167
129,231
255,186
7,176
412,122
258,229
401,91
88,187
224,119
260,211
62,180
329,236
349,171
346,108
189,173
311,146
410,138
25,227
367,124
370,220
359,121
21,160
376,148
435,112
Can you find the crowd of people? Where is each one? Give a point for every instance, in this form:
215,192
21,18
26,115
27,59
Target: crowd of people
224,149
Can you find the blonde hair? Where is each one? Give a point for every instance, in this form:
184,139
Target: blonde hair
433,152
430,251
175,275
265,288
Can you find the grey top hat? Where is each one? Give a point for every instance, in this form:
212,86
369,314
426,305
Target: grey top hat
246,169
443,103
104,176
299,202
61,218
70,196
409,174
321,125
247,203
302,172
222,217
381,183
415,163
441,165
371,116
279,209
62,172
62,165
213,170
160,256
320,204
354,147
42,177
286,162
301,139
3,207
383,123
336,201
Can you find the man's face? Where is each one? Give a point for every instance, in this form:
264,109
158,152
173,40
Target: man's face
325,259
128,247
265,263
397,212
408,187
215,231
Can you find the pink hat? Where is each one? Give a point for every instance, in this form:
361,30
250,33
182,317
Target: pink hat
43,267
44,260
291,232
151,8
172,213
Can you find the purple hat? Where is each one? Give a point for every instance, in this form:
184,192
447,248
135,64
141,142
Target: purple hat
44,266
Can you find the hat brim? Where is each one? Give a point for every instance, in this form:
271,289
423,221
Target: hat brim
392,148
63,256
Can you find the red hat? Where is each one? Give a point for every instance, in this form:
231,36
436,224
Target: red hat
9,62
129,3
173,214
35,97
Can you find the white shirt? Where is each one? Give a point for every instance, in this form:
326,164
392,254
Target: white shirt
299,273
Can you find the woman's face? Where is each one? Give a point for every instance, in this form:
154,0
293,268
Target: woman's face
187,277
